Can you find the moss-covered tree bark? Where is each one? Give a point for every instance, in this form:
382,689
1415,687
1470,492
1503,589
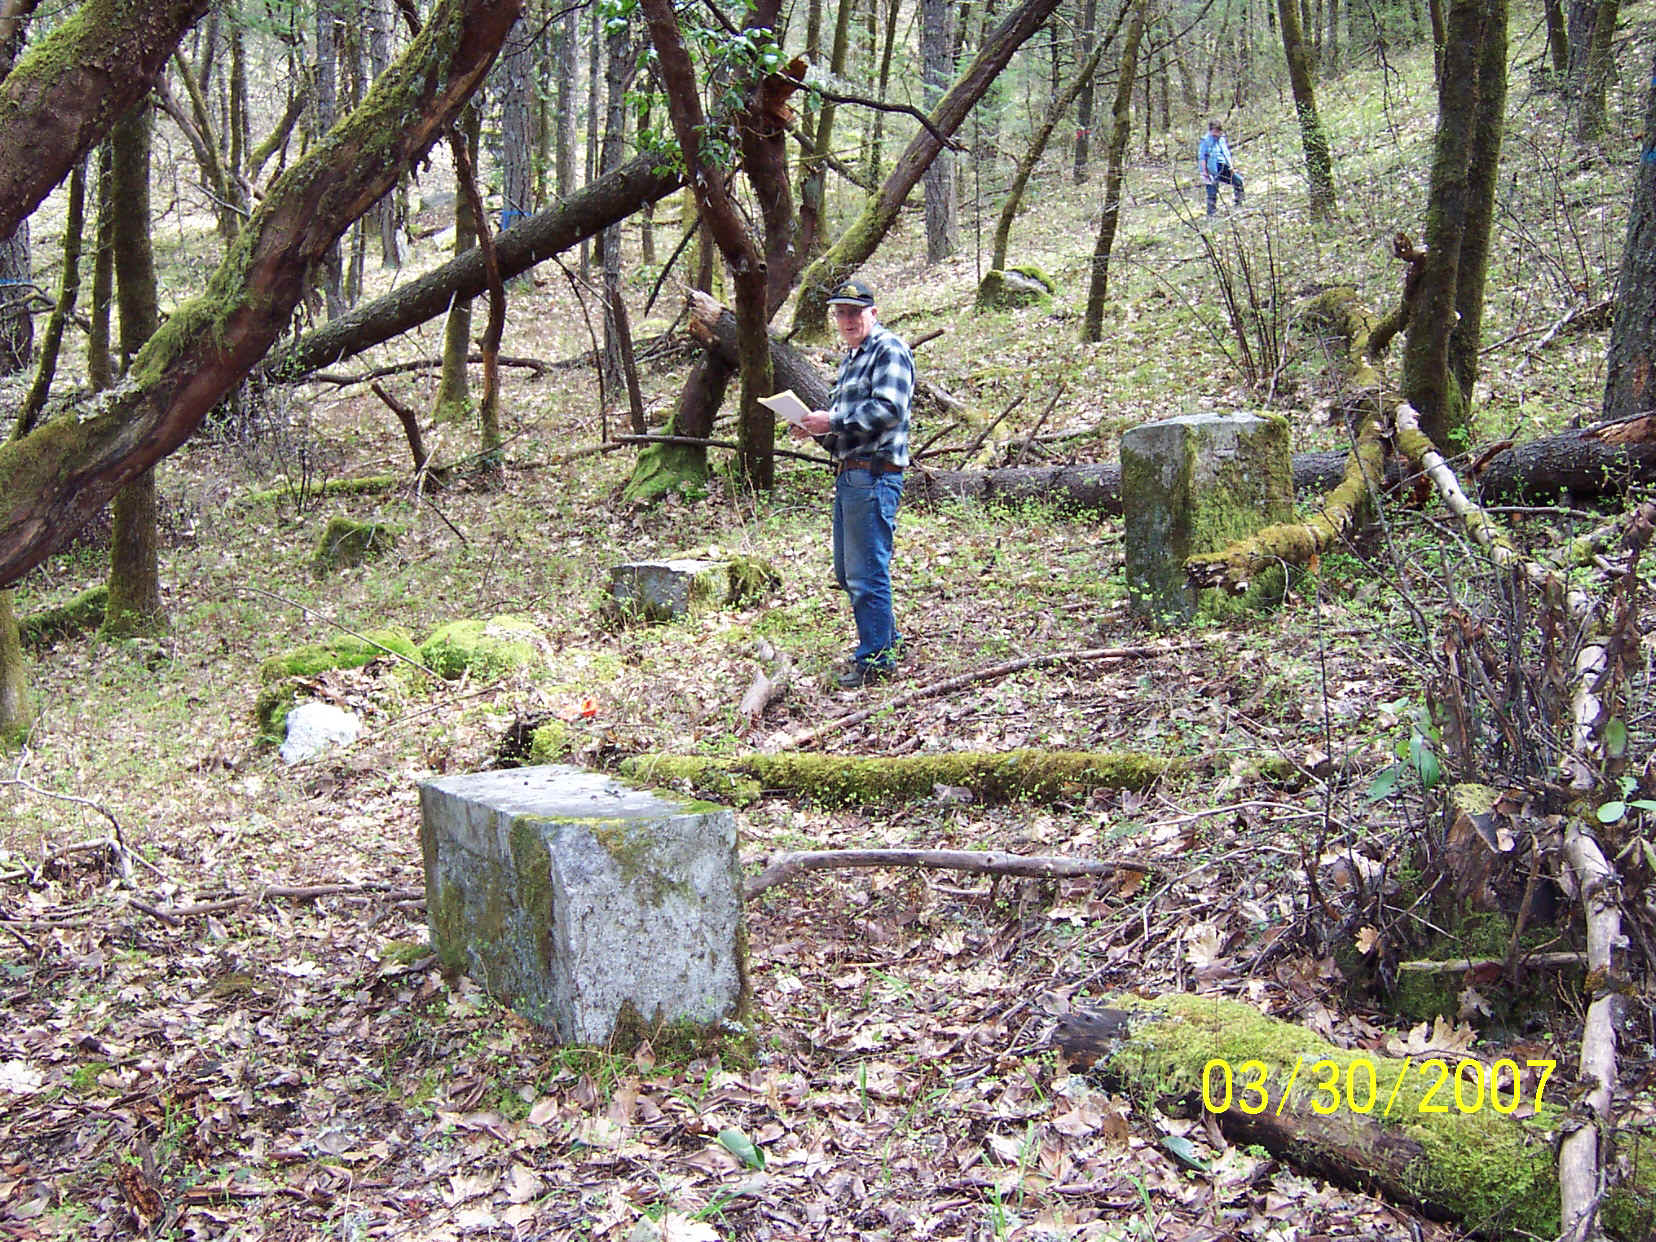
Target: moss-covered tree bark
1440,358
1413,1141
60,474
134,572
1037,147
51,340
1319,161
582,214
16,709
1630,386
1121,120
68,89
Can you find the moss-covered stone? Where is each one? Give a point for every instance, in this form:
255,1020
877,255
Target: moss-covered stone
344,543
551,742
1032,774
342,651
270,709
1198,484
1013,289
485,649
80,615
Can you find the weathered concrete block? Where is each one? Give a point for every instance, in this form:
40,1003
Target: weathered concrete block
666,590
584,903
1194,484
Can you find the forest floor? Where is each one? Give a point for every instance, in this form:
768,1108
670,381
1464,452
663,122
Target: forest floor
298,1068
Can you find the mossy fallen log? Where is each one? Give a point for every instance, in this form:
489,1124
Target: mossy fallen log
80,615
1492,1171
1036,775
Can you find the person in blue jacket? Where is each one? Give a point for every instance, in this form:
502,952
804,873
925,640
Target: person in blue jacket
1214,158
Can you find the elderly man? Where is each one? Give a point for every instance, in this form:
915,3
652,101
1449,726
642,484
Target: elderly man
867,430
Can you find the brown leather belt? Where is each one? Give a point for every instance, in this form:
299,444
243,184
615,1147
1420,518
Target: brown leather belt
873,464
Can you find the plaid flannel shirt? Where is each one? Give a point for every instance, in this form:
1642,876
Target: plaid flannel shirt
869,411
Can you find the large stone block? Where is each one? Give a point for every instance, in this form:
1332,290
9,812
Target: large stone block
667,590
585,903
1195,484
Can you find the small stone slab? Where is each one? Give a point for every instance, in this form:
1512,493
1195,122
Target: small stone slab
584,902
1195,484
667,590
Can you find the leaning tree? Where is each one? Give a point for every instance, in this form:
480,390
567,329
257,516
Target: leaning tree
56,477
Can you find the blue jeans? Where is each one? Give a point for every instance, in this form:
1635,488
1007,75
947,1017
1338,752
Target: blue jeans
865,519
1228,176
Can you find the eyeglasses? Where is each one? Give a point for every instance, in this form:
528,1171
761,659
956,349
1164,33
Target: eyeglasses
849,312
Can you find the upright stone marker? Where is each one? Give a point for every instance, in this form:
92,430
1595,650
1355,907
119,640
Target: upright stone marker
1195,484
584,903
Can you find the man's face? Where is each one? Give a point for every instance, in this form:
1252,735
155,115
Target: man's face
854,323
1215,130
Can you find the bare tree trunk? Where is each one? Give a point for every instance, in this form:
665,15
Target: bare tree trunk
937,68
1121,127
453,400
1319,162
620,378
595,52
1037,146
1084,98
853,246
517,132
325,114
569,36
814,185
1598,65
1558,41
100,367
1446,314
386,214
876,158
134,605
1630,387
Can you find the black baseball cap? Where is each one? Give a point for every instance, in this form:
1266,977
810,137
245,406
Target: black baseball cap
852,293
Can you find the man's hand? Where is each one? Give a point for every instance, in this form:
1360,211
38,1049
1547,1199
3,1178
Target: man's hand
815,423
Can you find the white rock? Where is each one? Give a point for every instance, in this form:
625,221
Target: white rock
313,728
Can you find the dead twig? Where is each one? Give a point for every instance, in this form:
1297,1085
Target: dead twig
362,638
784,741
274,892
785,866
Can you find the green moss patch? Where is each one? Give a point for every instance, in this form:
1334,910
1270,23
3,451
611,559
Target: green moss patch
344,651
485,649
1033,774
80,615
344,543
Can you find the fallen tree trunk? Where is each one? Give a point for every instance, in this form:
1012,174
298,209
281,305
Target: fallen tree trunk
1091,488
714,325
585,213
783,867
1593,461
1290,1091
1038,775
